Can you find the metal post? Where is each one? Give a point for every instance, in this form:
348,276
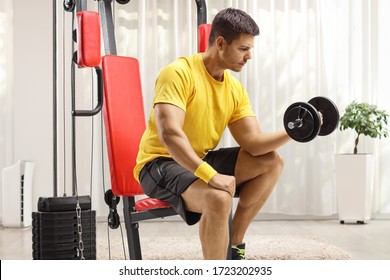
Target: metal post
81,5
202,11
107,25
55,98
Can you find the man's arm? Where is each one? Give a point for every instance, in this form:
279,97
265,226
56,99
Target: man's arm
169,121
247,133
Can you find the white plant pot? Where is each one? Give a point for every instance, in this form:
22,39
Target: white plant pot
354,183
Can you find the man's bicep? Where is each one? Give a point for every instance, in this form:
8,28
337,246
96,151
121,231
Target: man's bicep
168,116
244,129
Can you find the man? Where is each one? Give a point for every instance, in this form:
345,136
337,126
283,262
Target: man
196,97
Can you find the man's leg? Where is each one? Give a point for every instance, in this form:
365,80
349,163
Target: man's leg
258,176
215,206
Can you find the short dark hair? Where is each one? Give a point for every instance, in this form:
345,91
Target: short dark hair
230,23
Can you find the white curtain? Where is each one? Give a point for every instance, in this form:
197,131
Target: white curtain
306,48
6,80
356,60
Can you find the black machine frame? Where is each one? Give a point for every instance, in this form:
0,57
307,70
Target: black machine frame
131,216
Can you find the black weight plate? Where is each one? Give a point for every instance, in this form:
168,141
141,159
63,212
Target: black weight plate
330,114
46,232
310,124
55,239
66,215
45,220
63,203
89,254
57,247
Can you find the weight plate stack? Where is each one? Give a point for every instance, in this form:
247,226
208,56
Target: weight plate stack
55,234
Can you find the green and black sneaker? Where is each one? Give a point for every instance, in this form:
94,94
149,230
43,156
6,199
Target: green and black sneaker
238,252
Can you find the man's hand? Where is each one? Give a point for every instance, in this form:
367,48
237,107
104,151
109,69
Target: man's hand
224,182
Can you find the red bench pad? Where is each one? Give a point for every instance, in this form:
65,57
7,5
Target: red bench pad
150,203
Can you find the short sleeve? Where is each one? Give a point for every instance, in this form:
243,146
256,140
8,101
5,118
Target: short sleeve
173,85
243,106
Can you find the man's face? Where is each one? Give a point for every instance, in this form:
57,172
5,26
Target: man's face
235,55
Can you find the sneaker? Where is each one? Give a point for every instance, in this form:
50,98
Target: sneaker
238,252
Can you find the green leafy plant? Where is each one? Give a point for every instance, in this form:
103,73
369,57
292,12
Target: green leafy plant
365,119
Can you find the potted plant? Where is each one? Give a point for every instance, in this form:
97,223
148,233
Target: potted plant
365,119
355,172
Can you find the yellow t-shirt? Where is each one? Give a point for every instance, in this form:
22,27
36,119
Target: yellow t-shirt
209,106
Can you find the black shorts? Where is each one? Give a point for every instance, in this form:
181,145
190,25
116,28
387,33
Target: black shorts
165,179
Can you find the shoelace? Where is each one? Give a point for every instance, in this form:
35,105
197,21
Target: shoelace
240,252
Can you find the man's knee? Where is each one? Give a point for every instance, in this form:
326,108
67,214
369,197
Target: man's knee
270,163
249,167
218,201
277,161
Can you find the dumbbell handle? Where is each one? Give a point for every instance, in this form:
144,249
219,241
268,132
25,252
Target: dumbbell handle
299,121
294,124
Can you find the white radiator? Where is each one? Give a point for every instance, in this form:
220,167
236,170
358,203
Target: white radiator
17,194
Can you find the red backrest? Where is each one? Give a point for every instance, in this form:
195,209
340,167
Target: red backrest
203,36
124,119
88,39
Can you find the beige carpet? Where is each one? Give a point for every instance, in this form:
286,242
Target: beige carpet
262,247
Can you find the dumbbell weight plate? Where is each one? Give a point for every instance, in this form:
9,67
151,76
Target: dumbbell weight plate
330,114
310,123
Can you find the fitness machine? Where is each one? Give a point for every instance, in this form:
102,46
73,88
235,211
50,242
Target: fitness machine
65,227
62,225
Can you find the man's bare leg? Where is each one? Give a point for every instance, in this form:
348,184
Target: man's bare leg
259,176
215,206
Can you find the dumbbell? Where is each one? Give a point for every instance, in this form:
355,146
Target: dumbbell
302,120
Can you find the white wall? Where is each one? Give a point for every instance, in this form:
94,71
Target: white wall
33,90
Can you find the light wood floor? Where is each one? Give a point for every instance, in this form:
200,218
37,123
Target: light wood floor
370,241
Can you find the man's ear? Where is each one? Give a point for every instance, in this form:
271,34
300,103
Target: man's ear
220,42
